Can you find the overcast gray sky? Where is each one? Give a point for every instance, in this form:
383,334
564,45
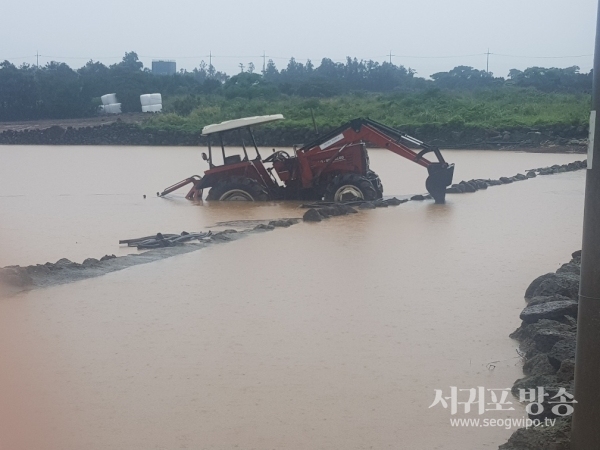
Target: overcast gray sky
454,32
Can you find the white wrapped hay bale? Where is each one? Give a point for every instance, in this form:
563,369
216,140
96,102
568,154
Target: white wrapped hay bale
152,108
109,99
146,99
156,99
114,108
150,100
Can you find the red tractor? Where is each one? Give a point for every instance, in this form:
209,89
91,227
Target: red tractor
334,167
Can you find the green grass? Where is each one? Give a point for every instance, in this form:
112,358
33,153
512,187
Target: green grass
504,108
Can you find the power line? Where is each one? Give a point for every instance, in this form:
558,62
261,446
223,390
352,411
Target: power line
543,57
264,55
440,57
18,57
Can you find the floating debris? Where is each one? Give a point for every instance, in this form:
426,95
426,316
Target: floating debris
165,240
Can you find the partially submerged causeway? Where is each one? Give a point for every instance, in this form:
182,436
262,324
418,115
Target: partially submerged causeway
16,278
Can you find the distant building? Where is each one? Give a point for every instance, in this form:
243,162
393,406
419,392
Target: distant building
164,67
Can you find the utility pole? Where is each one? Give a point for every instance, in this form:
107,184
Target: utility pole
210,59
487,67
390,55
37,59
264,62
585,434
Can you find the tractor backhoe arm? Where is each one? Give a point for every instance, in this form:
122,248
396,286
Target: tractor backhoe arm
380,135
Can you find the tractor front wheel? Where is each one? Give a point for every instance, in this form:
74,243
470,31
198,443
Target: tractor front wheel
376,182
349,187
238,189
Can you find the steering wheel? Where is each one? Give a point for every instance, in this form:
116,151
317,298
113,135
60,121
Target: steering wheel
278,156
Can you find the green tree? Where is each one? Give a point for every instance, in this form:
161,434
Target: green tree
464,77
60,92
129,63
271,73
552,79
18,93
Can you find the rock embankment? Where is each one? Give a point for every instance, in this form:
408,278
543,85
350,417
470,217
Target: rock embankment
547,338
478,184
125,133
320,211
117,133
16,278
133,129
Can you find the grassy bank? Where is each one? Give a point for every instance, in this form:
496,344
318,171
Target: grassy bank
504,108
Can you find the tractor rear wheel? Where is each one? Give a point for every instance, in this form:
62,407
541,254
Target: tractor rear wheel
238,189
348,187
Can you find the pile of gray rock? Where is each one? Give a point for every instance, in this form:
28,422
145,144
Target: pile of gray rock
547,338
478,184
38,274
320,211
17,278
116,133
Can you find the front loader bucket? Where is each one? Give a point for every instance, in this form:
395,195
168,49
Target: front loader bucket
440,177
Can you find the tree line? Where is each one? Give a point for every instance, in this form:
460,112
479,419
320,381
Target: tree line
57,91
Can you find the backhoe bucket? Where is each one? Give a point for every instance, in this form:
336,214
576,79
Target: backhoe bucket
440,177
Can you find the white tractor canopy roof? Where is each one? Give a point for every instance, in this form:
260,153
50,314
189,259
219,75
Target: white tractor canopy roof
240,123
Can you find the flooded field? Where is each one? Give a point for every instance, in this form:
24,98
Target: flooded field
320,336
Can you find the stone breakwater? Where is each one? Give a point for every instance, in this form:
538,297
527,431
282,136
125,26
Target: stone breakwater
122,133
320,211
475,185
118,133
547,338
133,130
16,278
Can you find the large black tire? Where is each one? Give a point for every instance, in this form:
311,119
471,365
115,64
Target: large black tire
238,188
376,181
348,187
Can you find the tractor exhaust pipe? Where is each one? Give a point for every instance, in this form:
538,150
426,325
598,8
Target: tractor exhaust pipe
440,177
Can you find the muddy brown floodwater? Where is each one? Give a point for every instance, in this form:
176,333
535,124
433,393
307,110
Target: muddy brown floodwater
320,336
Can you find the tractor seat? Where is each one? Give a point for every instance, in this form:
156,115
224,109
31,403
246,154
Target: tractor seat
233,159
